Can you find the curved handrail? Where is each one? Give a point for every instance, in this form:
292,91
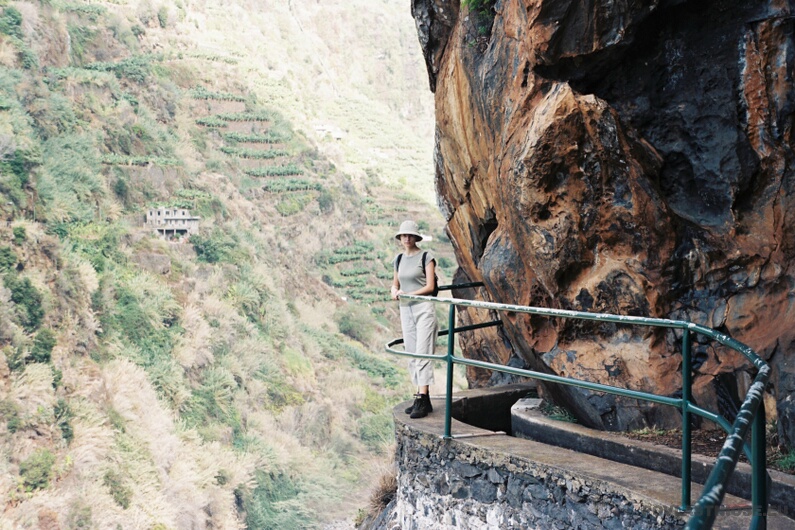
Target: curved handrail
751,414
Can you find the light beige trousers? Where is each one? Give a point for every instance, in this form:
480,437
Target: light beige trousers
419,336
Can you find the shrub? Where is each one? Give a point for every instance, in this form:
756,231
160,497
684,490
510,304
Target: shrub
19,235
293,204
135,68
63,419
356,323
8,259
121,189
91,12
480,6
121,493
325,201
9,412
36,471
216,247
11,22
27,300
42,346
162,16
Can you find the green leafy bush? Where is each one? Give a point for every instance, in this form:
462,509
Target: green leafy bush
479,6
135,68
786,461
293,204
42,346
355,322
63,419
162,16
325,201
11,22
216,247
119,491
36,471
90,11
10,413
8,259
19,235
28,301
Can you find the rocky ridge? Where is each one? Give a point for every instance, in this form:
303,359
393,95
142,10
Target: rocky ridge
634,159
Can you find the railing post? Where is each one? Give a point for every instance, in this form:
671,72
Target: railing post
759,493
686,435
450,351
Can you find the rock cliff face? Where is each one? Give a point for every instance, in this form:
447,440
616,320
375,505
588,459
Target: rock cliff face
629,157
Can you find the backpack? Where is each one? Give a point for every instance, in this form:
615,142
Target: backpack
435,277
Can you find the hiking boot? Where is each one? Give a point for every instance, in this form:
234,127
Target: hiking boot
413,406
423,408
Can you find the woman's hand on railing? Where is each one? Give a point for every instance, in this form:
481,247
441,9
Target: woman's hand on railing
396,293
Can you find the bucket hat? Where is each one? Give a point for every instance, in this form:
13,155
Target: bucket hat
409,227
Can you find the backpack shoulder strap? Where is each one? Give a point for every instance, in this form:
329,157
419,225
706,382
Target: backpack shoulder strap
397,262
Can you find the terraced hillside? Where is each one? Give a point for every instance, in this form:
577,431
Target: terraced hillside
229,378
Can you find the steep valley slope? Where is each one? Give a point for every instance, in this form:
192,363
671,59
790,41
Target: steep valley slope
233,377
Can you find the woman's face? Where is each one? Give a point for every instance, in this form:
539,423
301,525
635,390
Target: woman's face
408,240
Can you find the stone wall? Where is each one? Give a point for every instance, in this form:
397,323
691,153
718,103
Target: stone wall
462,484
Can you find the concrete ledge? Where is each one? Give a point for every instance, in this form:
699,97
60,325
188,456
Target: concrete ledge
528,422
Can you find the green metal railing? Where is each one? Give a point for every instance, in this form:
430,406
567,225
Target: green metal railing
751,415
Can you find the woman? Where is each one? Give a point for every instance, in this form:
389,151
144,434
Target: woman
415,274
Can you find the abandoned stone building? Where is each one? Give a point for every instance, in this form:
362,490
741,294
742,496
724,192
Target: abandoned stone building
172,222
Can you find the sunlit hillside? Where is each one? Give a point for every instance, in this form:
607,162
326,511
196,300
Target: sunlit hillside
232,376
